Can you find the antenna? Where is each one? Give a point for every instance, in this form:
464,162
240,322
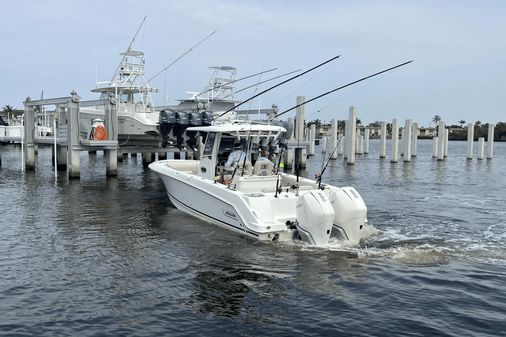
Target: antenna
129,46
180,57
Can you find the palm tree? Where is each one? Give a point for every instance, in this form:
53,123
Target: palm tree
8,110
436,119
462,122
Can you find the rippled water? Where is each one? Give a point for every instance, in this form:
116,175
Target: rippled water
113,256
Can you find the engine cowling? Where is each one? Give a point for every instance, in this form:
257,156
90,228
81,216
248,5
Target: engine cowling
350,212
315,217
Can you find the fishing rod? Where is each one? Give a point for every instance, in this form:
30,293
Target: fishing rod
180,57
270,79
341,87
277,171
129,46
277,85
327,164
239,79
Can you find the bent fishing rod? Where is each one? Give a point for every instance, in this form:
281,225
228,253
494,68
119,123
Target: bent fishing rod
341,87
180,57
277,85
239,79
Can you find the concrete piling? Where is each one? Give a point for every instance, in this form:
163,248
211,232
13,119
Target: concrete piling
441,140
395,140
312,137
407,140
414,140
333,136
490,141
470,140
340,145
383,140
434,146
447,131
366,141
481,148
352,129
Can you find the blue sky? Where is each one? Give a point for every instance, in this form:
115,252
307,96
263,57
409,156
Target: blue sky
458,48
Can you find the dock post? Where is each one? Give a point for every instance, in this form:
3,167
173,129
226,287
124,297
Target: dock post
366,141
447,131
402,132
312,138
323,144
481,148
414,140
352,129
340,145
299,126
434,146
490,141
470,140
147,158
111,155
360,144
383,140
333,136
29,121
407,140
73,135
395,140
441,141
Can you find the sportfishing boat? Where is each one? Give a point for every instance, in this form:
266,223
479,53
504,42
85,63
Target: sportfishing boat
137,118
256,199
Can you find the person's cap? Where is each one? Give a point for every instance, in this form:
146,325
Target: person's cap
237,145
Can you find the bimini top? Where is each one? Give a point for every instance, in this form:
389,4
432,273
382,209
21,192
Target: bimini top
239,128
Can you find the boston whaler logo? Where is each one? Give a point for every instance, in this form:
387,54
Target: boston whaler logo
230,214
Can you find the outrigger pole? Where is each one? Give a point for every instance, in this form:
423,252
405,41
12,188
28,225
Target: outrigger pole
342,87
180,57
277,85
267,80
239,79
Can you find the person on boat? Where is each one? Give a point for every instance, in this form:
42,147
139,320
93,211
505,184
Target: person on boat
237,155
264,155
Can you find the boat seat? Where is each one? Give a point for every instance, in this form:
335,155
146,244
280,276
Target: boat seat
263,168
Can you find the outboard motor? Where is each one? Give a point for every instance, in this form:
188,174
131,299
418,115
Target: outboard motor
194,119
315,216
180,127
350,213
206,118
167,120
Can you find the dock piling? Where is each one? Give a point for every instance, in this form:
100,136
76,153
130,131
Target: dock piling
383,140
470,140
395,140
490,141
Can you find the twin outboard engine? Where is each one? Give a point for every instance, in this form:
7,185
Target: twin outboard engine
180,127
315,217
167,120
194,119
